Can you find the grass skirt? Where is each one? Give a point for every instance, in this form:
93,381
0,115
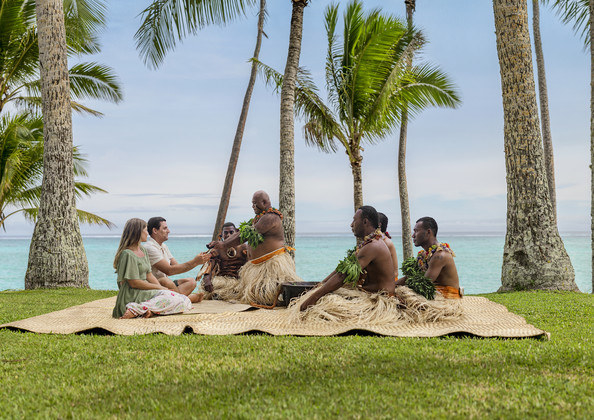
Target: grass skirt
359,306
261,283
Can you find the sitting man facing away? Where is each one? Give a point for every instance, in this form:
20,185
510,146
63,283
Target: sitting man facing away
436,259
162,262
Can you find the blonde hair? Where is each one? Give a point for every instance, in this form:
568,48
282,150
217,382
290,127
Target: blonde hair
130,237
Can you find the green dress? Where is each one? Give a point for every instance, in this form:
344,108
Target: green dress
131,266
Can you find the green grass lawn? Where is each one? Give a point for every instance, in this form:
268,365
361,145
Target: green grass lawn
249,376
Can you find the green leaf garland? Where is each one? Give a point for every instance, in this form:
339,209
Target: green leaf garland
416,280
350,267
248,233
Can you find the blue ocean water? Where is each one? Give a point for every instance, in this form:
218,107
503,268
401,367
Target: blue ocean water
478,258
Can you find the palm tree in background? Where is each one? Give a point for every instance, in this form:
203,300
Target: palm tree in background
368,84
407,245
21,169
543,97
166,22
286,186
534,256
56,256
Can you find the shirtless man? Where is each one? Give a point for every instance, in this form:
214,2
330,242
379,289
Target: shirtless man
441,268
383,224
373,256
162,262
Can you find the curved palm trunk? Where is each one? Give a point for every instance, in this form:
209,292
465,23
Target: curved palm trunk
287,124
592,131
56,257
534,256
407,245
356,163
228,186
547,140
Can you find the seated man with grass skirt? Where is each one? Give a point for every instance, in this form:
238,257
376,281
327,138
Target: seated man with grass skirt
436,260
269,262
362,287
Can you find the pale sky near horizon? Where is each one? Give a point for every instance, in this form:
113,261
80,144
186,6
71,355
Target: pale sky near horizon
164,150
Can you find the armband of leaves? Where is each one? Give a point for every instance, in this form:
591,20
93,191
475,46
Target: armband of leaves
248,233
350,267
416,280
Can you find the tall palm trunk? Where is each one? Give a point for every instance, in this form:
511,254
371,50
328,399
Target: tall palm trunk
356,162
287,124
544,106
407,245
534,256
56,257
592,131
228,186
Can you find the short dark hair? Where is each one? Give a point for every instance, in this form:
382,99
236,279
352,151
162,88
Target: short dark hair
154,223
369,213
383,222
229,224
429,223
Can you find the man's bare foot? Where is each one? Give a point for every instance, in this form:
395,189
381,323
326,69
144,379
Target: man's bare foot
196,297
148,314
128,315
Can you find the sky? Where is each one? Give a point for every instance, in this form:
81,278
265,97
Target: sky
164,150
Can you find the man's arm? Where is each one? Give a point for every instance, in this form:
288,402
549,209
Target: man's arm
172,268
436,264
330,284
267,223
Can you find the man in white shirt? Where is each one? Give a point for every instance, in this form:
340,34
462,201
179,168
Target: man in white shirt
162,262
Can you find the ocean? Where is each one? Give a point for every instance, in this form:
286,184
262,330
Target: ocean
478,258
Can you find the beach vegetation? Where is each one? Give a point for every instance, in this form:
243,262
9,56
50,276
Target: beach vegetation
21,169
534,256
93,375
368,84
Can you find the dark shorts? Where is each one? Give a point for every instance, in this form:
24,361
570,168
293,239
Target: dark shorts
176,282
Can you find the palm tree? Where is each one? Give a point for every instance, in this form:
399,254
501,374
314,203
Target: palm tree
167,22
534,256
56,257
286,188
544,107
19,55
368,84
21,169
407,245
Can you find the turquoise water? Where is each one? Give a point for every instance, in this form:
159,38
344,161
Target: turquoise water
478,258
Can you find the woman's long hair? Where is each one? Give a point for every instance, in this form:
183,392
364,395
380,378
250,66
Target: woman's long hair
130,237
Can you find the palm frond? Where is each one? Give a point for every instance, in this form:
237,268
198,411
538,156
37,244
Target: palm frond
84,20
94,81
166,22
576,13
93,219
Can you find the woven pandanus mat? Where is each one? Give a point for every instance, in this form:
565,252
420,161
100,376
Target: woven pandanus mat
481,318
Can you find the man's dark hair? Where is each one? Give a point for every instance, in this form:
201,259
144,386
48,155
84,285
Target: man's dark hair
429,223
369,213
229,224
383,222
154,223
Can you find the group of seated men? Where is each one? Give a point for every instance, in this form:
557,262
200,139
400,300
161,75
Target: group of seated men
257,272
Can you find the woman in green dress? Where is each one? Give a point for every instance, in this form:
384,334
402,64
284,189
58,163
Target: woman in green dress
140,293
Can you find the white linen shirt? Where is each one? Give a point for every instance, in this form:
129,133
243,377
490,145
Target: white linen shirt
157,253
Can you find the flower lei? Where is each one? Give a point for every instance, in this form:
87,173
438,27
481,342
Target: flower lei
376,234
423,256
268,210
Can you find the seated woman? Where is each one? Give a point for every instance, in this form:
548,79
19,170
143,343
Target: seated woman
140,292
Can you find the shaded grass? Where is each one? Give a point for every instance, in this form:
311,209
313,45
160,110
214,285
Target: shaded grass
299,377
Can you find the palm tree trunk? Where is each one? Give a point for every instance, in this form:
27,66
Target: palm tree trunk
287,124
56,257
592,131
228,186
544,106
356,163
534,256
407,245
